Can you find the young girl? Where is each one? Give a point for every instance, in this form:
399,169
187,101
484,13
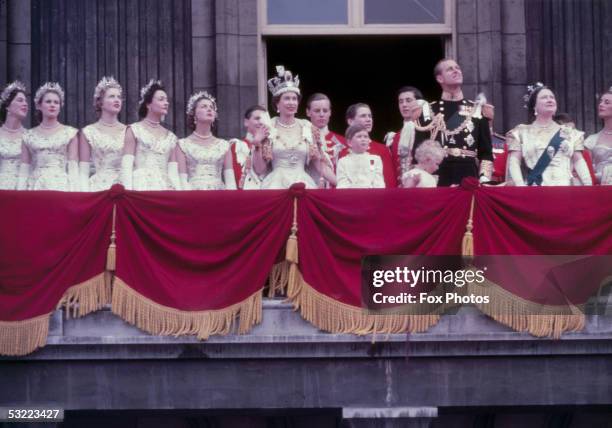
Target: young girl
359,169
429,155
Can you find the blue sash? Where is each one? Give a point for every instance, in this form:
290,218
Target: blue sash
535,175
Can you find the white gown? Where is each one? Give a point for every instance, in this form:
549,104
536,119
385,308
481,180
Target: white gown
602,159
49,157
106,154
290,149
151,159
10,157
205,163
532,141
360,171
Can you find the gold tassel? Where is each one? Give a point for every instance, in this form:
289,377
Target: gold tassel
19,338
163,320
283,274
292,257
277,280
111,253
467,244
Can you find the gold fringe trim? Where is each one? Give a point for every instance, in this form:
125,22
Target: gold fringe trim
520,314
162,320
23,337
467,244
87,297
277,281
111,253
333,316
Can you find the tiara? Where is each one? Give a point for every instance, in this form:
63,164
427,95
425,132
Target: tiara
283,82
10,88
103,85
49,87
530,90
145,89
195,98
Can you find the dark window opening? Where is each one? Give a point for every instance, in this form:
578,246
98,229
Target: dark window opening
351,69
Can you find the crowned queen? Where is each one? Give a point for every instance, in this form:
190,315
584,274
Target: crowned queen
291,149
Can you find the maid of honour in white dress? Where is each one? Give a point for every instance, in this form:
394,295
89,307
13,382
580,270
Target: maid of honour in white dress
600,144
204,161
149,158
51,148
13,110
102,142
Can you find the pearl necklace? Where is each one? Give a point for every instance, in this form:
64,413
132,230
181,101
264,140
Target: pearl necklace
42,125
12,131
289,126
203,137
110,125
152,123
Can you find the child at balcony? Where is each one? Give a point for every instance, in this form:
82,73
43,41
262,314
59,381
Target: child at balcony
359,169
428,155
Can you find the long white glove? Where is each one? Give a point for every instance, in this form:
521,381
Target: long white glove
73,176
84,176
583,172
185,181
173,175
514,168
230,179
22,178
127,169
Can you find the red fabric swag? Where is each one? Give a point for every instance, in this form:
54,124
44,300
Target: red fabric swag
49,242
337,228
196,251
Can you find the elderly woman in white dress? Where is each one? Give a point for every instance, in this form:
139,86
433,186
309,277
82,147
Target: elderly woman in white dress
149,158
102,141
359,169
13,111
204,161
51,149
546,150
291,147
600,144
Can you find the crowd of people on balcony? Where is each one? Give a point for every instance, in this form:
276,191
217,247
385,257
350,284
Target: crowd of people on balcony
439,144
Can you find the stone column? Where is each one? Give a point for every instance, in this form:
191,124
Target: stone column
491,44
203,45
19,42
514,57
236,63
3,43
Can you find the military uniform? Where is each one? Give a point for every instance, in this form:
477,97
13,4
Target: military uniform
466,137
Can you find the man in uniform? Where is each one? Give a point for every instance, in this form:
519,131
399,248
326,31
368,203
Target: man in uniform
458,124
318,109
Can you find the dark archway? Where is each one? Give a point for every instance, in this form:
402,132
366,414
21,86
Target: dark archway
352,69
